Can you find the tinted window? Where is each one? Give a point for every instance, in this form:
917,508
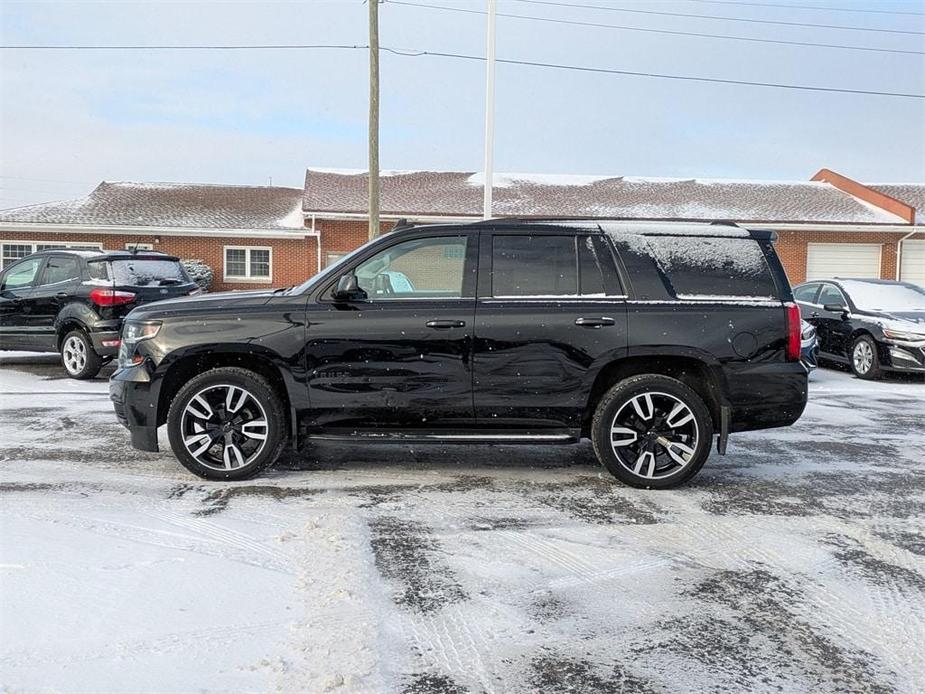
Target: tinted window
590,278
98,270
143,273
420,268
22,274
806,293
831,294
60,269
534,266
705,267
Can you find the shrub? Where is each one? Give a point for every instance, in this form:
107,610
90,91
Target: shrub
199,272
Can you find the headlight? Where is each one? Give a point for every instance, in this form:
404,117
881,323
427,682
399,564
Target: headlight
136,332
132,334
903,335
809,332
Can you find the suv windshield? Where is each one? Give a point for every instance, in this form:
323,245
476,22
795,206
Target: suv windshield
893,298
147,272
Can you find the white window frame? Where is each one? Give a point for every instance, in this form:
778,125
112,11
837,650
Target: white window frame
247,277
129,246
35,244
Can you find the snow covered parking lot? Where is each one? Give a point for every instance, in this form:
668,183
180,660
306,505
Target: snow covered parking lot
795,563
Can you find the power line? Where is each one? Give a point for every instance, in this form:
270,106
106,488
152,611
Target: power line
807,7
552,20
556,66
194,47
630,73
727,19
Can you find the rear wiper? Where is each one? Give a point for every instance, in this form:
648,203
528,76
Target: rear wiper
168,281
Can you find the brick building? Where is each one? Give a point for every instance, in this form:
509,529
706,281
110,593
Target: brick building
255,236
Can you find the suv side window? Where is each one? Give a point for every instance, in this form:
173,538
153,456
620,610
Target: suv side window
419,268
590,279
21,275
831,294
539,266
60,269
714,267
806,293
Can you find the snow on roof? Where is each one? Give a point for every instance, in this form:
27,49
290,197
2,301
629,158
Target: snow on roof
459,193
913,194
200,206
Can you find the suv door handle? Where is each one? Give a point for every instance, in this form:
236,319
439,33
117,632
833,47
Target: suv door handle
594,322
62,295
445,324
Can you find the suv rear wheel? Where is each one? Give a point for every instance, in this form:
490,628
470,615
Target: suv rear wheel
226,424
652,431
78,357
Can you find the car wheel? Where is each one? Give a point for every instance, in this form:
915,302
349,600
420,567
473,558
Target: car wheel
78,357
226,424
864,360
652,431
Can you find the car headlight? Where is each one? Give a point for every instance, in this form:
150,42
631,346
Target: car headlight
903,335
136,332
132,334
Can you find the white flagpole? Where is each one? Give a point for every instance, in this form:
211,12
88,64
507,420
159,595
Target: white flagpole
489,110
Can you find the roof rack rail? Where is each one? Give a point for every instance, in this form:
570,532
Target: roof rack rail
402,223
723,223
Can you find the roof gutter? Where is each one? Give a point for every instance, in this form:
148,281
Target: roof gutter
40,228
772,226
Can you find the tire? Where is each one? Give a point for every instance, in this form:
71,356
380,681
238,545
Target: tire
227,424
865,362
639,457
78,357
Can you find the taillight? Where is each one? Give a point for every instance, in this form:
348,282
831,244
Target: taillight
793,332
110,297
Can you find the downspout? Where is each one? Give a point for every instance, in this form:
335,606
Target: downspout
899,253
317,246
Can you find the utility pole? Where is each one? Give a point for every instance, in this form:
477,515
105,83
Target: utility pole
373,118
489,110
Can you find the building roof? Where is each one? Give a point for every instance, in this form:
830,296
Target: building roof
437,193
178,205
913,194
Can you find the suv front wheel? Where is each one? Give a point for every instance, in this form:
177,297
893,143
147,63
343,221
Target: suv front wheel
226,424
652,431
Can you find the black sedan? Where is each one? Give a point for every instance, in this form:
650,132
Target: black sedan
872,325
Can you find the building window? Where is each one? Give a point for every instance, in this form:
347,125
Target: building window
331,258
14,250
248,263
139,246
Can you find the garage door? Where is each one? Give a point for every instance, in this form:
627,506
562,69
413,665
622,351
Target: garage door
842,260
913,261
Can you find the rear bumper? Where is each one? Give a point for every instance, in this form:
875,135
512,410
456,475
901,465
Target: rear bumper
134,399
105,343
763,396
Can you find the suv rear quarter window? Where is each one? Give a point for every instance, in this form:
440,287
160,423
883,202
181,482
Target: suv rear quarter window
714,267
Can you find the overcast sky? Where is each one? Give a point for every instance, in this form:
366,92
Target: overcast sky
73,118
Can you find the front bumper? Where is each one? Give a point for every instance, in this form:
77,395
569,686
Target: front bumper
905,357
134,398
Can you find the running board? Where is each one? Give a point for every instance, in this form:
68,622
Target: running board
439,437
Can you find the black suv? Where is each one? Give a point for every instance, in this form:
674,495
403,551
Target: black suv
73,301
650,339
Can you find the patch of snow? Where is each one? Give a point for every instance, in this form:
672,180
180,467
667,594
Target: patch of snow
508,180
294,220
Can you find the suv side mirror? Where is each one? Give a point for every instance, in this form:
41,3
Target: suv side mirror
348,289
836,308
